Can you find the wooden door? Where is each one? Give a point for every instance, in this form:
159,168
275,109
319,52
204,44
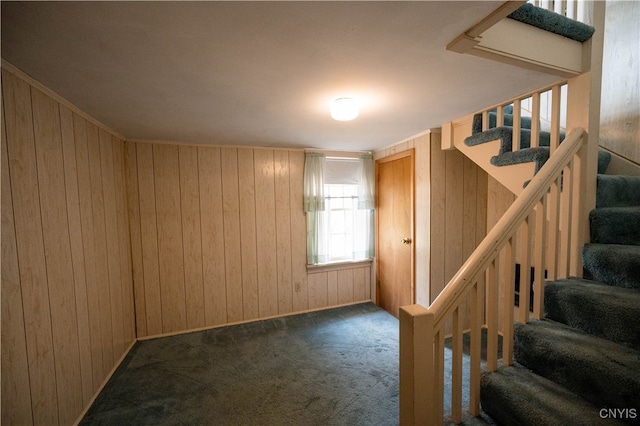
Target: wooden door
394,231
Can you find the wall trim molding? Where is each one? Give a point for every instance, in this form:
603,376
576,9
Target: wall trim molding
213,145
288,314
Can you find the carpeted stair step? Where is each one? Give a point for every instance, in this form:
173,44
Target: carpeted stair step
615,225
612,313
602,372
613,264
507,120
617,191
538,155
604,158
516,396
505,135
553,22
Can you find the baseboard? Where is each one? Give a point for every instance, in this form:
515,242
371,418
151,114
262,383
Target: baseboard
104,383
620,165
211,327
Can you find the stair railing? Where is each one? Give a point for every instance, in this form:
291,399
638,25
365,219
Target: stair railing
482,294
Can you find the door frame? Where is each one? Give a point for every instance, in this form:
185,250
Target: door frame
397,156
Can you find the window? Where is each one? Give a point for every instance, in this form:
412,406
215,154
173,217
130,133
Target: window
339,208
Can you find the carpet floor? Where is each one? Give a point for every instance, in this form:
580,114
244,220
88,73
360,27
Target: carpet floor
332,367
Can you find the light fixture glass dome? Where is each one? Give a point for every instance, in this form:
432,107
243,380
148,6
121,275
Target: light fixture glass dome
344,109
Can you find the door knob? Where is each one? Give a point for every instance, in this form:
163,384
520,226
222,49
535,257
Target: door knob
406,240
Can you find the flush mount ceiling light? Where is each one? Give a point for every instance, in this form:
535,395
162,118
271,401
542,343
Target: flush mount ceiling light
344,109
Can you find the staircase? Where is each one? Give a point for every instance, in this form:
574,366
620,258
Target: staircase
526,152
578,361
581,364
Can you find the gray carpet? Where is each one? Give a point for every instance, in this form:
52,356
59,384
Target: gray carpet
333,367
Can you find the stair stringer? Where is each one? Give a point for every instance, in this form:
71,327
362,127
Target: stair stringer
512,177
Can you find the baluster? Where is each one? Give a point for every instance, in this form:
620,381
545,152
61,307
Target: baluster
539,258
565,225
581,11
554,223
508,303
535,120
525,270
545,4
516,125
439,379
571,9
555,119
456,367
500,116
493,277
558,7
485,120
474,361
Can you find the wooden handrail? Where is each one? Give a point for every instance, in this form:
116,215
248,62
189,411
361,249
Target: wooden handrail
497,238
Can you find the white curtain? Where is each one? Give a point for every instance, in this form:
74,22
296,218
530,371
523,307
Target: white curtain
366,201
314,206
320,174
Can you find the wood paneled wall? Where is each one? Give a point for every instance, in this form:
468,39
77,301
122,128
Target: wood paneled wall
67,299
218,236
620,109
458,213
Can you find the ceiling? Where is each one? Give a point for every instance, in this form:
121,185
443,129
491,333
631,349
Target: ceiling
260,73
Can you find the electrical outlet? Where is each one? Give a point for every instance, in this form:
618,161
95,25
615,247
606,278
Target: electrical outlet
297,287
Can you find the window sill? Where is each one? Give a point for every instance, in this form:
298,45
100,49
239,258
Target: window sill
335,266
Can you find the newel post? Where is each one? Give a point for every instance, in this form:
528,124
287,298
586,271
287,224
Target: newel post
416,366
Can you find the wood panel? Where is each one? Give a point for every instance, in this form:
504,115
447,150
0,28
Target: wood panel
438,216
77,252
232,246
210,178
265,235
345,286
16,395
359,284
170,245
124,242
100,243
620,110
423,215
131,175
149,238
318,290
64,257
298,233
283,230
248,238
88,245
454,209
332,288
192,236
113,248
